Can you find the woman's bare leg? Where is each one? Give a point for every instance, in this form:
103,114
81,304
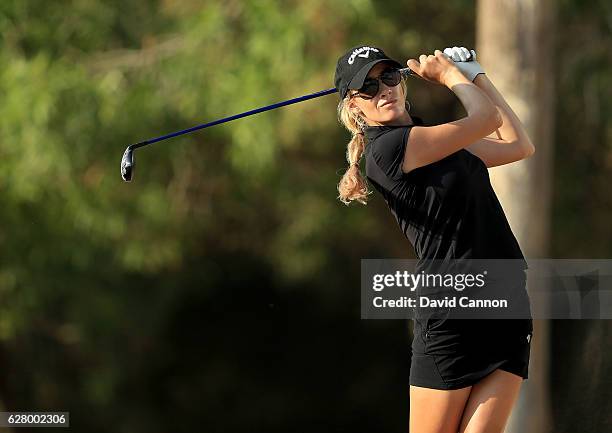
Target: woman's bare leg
436,411
490,403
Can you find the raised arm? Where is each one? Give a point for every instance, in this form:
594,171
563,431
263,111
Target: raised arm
429,144
510,141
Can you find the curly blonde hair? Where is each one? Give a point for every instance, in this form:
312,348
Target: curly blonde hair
353,186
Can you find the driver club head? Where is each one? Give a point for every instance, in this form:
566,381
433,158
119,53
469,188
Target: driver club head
127,164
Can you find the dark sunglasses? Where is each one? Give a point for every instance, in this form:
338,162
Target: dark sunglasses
391,77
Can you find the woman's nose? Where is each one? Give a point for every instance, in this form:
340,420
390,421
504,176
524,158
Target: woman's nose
384,89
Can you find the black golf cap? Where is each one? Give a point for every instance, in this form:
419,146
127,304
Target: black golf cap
353,67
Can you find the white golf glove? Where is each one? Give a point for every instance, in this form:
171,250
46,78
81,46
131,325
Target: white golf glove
465,60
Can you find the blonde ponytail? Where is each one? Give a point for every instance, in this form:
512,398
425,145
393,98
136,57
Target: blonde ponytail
353,185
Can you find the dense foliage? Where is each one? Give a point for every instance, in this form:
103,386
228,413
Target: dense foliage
219,291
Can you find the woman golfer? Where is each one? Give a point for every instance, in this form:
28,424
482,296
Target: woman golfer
465,375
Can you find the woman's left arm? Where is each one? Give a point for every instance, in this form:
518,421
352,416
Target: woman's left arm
507,144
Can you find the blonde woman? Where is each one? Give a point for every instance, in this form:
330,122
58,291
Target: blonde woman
465,375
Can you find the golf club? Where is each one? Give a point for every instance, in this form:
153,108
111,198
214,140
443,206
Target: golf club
127,161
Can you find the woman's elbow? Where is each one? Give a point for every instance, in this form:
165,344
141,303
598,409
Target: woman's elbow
526,146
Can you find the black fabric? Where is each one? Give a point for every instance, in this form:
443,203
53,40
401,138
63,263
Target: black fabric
445,359
448,210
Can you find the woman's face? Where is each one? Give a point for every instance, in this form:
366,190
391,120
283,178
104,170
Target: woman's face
387,107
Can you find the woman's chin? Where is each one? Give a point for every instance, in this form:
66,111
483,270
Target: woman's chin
392,116
392,110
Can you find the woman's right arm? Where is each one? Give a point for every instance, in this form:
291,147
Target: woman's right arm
430,144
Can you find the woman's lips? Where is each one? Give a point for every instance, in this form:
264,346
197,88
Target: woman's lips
389,103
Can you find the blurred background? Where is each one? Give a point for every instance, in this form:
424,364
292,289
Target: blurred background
219,291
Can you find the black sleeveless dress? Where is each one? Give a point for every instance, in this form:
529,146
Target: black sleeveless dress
449,210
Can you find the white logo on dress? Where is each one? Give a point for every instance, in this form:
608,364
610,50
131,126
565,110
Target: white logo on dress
361,52
528,338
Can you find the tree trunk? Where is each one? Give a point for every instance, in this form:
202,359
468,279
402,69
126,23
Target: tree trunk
515,47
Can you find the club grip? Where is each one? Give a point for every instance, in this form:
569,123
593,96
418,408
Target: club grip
406,72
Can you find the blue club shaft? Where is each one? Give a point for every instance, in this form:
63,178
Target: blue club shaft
404,71
235,116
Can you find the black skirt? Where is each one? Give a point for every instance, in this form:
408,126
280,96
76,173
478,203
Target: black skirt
456,353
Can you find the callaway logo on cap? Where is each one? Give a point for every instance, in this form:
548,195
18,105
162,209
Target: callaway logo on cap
361,52
353,67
